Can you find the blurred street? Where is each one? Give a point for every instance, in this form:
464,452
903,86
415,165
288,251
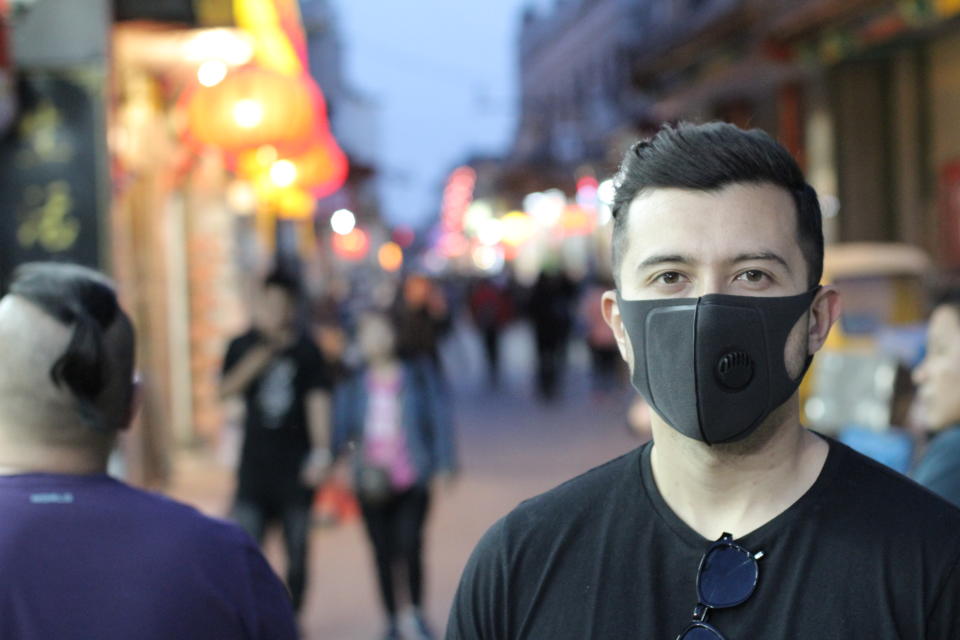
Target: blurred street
512,447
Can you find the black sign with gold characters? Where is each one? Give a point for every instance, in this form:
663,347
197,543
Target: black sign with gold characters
50,171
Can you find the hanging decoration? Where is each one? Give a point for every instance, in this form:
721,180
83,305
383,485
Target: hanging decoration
252,107
270,117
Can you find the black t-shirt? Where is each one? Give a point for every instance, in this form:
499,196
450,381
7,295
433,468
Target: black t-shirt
276,436
865,553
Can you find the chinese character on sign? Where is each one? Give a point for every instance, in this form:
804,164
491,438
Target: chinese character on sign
46,219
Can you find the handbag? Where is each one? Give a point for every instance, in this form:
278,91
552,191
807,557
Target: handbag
374,485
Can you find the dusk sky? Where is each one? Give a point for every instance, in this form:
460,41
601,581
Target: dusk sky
444,76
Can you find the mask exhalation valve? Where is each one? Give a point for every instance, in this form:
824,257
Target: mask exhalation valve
734,370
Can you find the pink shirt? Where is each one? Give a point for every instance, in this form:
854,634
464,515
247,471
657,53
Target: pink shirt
385,443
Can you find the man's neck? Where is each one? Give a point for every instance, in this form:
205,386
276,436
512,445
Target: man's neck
741,486
17,458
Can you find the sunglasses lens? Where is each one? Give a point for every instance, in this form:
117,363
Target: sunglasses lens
727,578
700,633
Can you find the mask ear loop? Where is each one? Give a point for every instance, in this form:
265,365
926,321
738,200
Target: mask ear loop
785,316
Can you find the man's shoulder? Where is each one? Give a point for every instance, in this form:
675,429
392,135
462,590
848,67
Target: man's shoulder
871,488
182,522
575,501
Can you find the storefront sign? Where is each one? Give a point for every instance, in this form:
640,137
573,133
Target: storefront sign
49,202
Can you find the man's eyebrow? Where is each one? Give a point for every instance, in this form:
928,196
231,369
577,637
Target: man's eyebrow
663,259
762,255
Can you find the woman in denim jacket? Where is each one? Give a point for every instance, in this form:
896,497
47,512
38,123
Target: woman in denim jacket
394,414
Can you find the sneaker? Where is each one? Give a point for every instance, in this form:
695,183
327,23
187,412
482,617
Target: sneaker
423,630
393,633
393,629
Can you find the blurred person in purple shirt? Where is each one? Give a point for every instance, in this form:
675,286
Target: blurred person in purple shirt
84,555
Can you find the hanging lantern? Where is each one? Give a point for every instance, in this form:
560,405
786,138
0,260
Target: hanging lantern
321,168
253,107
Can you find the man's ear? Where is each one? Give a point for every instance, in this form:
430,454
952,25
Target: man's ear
135,403
824,312
611,314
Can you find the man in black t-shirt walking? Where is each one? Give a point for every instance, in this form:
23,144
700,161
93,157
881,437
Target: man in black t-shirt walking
736,522
286,391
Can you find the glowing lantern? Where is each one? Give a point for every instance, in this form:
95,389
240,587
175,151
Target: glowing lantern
321,169
352,246
390,257
283,173
252,107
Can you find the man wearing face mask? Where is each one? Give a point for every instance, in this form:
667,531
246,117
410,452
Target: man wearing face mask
735,522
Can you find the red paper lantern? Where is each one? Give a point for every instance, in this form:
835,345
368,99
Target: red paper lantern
253,107
321,168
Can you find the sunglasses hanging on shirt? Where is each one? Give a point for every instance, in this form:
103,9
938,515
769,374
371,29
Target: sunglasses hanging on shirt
727,577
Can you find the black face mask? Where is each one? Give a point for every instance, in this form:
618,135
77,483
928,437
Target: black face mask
713,367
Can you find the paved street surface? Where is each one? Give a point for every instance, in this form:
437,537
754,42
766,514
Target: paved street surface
511,447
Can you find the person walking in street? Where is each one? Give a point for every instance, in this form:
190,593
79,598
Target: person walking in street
551,312
937,378
491,310
604,358
84,555
285,455
735,522
421,317
394,414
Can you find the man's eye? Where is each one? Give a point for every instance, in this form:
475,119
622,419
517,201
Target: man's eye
752,276
670,277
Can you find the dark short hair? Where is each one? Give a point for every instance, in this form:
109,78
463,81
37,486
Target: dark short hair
709,157
83,299
283,280
948,298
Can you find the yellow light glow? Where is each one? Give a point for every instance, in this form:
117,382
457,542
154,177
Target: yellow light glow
267,155
248,113
274,49
283,173
241,197
518,228
390,257
231,46
211,73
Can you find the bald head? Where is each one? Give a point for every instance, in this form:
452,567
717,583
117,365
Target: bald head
67,366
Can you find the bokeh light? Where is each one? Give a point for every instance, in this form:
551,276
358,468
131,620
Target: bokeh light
343,221
211,73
